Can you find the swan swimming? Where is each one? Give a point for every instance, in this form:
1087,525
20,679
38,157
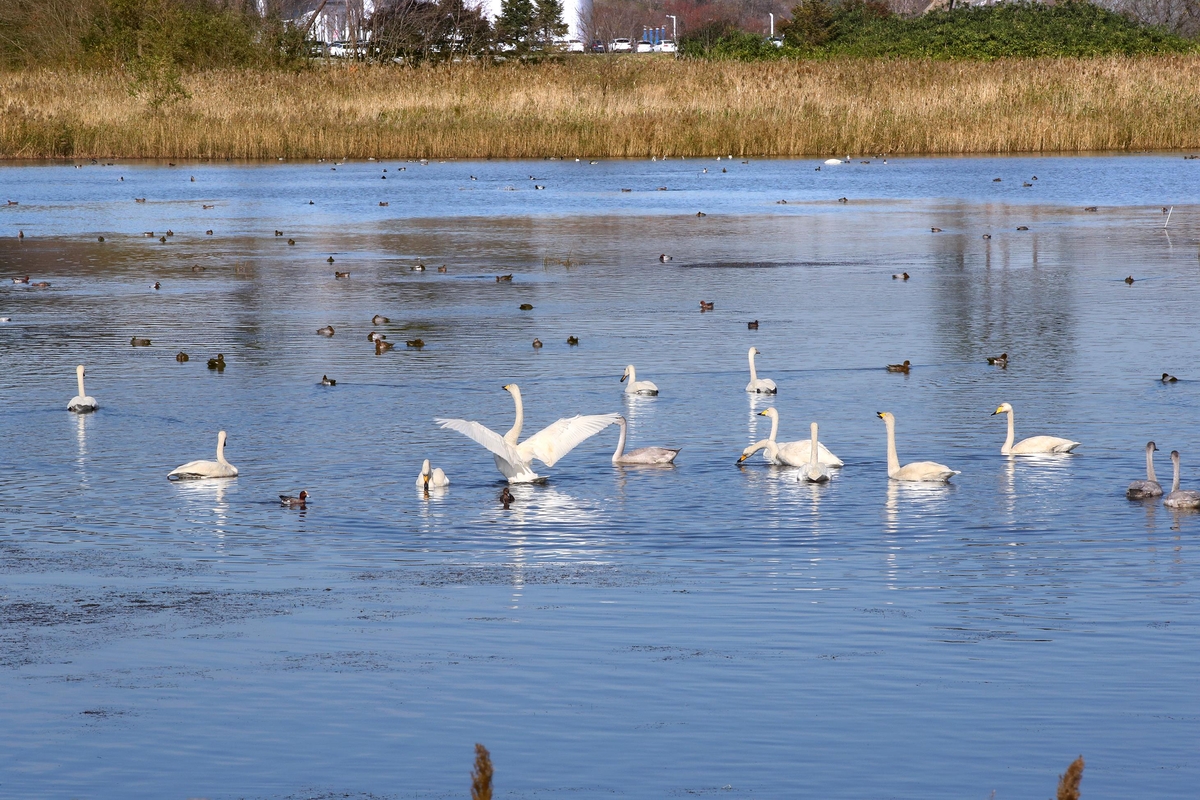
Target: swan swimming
1140,490
207,469
787,454
642,455
81,403
635,386
757,384
813,471
431,480
1034,444
1178,498
548,445
929,471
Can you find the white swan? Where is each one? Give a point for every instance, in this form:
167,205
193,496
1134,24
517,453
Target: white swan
642,455
81,403
787,454
547,445
930,471
1034,444
757,384
813,471
431,480
635,386
207,469
1178,498
1140,490
829,162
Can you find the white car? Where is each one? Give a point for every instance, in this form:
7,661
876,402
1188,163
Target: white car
667,46
339,49
645,47
620,46
573,46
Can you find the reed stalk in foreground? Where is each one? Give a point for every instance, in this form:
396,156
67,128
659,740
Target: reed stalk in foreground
1068,782
606,106
481,776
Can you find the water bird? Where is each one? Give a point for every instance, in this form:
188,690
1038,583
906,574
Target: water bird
1129,280
206,469
326,331
549,445
1026,184
442,268
830,162
279,233
665,258
162,239
1140,490
1022,227
635,386
919,471
707,305
537,344
330,260
298,501
526,307
375,337
787,454
139,342
20,234
206,206
903,276
417,343
99,238
987,236
208,232
217,363
753,326
431,479
843,199
136,200
182,357
1034,444
382,347
813,471
81,403
5,319
1178,498
506,497
40,285
379,319
148,234
935,230
417,268
328,381
291,241
156,285
1168,378
21,279
905,367
642,455
170,232
341,275
758,385
998,361
995,180
698,213
382,203
573,340
504,278
197,268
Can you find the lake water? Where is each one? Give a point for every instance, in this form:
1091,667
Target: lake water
702,629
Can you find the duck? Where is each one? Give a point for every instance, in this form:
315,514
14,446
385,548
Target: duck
905,367
40,285
986,236
328,381
375,337
417,268
787,454
506,497
903,276
635,386
526,307
1022,227
917,471
382,346
181,357
417,343
1168,378
504,278
1034,445
442,268
21,279
707,305
217,363
1129,280
759,385
207,469
998,361
537,344
291,242
197,268
1140,490
753,326
326,331
340,275
664,258
156,286
379,319
935,230
573,340
642,455
431,479
1178,498
298,501
138,342
81,403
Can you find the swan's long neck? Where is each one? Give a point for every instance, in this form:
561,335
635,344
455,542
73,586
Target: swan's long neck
753,374
774,426
221,450
1150,476
1008,443
893,459
514,433
1175,480
632,375
812,453
620,451
79,377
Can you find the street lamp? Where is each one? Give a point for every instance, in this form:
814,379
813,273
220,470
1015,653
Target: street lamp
772,25
674,29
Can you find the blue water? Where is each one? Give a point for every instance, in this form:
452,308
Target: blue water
703,629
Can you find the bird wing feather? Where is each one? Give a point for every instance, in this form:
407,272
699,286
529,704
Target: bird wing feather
493,441
556,440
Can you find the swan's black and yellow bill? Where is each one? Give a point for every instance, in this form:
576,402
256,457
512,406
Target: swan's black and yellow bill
997,411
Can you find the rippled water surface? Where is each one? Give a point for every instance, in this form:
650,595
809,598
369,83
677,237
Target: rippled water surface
703,629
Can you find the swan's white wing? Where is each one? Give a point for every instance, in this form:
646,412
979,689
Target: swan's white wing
554,441
493,441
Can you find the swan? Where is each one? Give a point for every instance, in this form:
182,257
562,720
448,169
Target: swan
643,455
207,469
813,471
930,471
787,454
635,386
547,445
1140,490
81,403
435,479
757,384
1178,498
1034,444
830,162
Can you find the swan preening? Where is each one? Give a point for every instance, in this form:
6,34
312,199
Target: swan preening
813,471
206,469
1140,490
928,471
787,454
1178,498
642,455
515,461
435,479
635,386
81,403
757,384
1034,444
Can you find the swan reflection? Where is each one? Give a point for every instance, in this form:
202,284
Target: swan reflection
208,494
919,499
81,422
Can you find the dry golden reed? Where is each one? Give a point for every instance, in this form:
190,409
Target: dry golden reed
617,107
481,776
1068,782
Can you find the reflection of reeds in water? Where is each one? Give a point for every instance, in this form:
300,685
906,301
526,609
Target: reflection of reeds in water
1068,783
602,106
481,776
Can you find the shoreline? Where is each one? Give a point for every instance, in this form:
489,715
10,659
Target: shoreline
616,107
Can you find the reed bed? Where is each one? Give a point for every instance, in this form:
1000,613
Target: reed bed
616,107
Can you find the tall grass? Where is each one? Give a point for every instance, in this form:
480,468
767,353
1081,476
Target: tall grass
616,107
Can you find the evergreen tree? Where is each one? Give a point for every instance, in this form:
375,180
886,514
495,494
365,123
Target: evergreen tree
549,21
516,24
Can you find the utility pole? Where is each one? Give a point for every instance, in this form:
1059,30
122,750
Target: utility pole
674,30
772,25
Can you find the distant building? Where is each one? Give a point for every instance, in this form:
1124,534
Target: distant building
335,16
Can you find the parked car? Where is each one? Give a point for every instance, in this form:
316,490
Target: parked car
666,46
776,40
645,47
620,46
573,46
339,49
597,46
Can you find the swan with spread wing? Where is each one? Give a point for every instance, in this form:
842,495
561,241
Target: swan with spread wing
515,461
